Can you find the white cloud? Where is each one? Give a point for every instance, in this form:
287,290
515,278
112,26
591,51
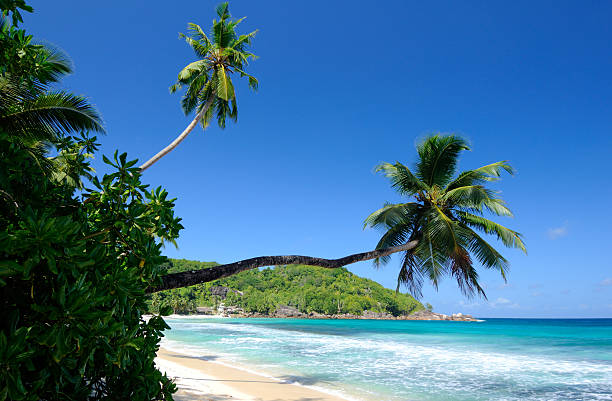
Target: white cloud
557,232
606,282
503,303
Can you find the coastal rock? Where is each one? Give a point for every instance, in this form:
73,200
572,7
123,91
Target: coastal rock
230,310
288,311
427,315
368,314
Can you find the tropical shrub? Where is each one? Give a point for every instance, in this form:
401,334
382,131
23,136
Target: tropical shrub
77,252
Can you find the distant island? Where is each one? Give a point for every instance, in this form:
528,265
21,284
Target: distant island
293,291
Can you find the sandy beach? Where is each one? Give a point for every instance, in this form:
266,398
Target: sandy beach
204,379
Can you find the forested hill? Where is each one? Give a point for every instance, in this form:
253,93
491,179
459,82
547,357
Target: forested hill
311,290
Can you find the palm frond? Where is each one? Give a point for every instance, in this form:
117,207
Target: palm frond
253,83
410,275
438,158
402,178
490,172
243,41
462,269
442,231
223,86
223,10
51,114
197,33
508,237
391,215
476,198
55,64
201,50
192,70
433,263
486,254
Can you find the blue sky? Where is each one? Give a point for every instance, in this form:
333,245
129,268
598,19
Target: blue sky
345,85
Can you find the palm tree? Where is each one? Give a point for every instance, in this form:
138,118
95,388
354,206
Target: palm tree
30,111
210,90
31,114
444,217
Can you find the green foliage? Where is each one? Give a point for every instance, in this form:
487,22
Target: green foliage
209,78
444,217
73,273
12,7
77,252
309,289
27,61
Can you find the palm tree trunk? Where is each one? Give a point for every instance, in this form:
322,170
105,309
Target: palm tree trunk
179,138
185,279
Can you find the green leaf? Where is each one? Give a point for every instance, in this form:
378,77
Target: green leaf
165,310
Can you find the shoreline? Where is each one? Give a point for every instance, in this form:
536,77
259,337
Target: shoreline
207,378
419,316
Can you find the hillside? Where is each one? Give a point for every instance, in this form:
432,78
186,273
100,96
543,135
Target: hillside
309,290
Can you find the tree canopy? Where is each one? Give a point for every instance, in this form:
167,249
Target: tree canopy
208,85
307,288
446,213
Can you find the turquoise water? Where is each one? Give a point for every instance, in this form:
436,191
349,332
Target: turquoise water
499,359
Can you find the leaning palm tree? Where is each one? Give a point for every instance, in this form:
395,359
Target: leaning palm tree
210,90
445,218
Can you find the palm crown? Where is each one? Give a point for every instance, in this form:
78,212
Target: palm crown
208,80
445,217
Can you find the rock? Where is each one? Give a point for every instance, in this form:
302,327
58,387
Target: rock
288,311
368,314
222,291
315,315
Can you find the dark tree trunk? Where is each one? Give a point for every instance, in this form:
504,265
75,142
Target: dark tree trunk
185,279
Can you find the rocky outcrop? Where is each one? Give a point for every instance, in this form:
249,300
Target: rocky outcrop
230,310
221,291
427,315
288,311
368,314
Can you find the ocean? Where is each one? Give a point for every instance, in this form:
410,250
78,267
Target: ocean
498,359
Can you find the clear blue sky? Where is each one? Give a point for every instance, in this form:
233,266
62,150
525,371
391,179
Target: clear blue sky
345,85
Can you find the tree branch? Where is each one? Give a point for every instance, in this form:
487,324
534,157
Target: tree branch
185,279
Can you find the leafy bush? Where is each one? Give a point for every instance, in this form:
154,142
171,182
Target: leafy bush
74,261
73,274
